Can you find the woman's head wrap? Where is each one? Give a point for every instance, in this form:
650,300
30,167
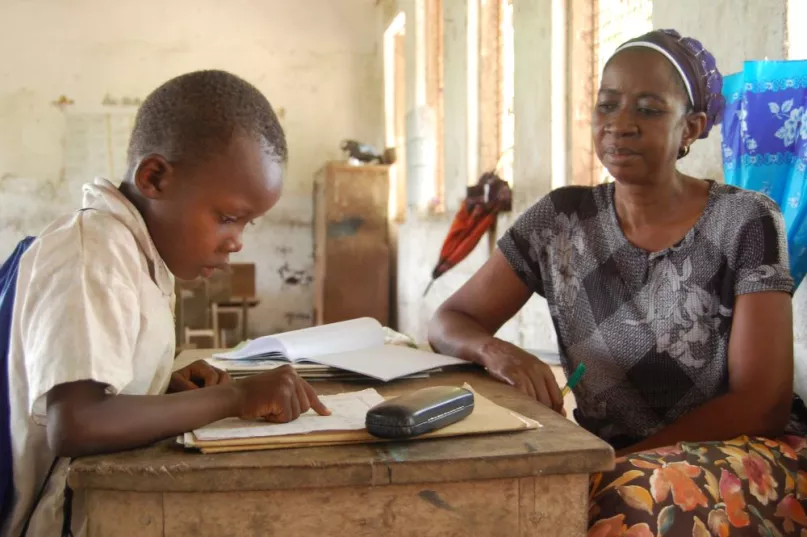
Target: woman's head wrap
696,67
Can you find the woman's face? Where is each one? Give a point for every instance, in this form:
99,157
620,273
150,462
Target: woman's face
642,118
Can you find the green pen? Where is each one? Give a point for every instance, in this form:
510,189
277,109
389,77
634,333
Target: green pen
574,379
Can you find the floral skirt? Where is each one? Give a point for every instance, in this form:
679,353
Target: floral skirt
746,486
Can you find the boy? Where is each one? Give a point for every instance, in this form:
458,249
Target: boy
92,338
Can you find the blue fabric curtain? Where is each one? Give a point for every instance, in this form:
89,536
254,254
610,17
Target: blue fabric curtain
765,142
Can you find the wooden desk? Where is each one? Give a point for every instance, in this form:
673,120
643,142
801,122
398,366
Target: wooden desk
532,483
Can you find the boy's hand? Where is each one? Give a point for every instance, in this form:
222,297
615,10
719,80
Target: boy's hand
199,374
278,396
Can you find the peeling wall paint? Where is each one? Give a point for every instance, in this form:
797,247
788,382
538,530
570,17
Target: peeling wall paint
291,276
304,55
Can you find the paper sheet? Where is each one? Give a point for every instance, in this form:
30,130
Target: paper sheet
356,346
348,414
309,343
388,362
256,365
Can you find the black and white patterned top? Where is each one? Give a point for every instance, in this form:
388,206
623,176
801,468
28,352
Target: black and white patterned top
652,328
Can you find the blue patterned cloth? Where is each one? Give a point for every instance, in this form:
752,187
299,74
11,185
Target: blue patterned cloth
765,142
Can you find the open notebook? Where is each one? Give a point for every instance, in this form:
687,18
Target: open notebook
356,346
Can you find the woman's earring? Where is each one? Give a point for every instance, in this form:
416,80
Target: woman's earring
684,151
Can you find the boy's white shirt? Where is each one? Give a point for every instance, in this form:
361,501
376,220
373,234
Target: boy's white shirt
94,300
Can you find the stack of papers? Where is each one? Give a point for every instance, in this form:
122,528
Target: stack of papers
344,426
311,372
338,351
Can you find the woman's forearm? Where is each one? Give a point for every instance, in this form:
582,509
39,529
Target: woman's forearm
464,326
722,418
456,334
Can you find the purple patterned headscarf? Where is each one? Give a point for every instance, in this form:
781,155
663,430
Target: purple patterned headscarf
696,66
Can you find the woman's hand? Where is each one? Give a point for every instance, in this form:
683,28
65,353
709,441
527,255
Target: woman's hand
199,374
522,370
465,324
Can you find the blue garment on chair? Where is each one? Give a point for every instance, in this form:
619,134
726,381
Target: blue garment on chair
8,287
765,143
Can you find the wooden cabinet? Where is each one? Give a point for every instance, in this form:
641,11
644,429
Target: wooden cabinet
351,243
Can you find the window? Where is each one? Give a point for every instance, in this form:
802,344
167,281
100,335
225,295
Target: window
394,111
496,89
596,29
424,110
434,94
617,21
507,108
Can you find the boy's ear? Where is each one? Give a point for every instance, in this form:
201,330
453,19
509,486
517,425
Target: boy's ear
153,176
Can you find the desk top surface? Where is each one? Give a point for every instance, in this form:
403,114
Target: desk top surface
558,447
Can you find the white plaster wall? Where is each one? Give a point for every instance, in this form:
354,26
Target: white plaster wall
317,60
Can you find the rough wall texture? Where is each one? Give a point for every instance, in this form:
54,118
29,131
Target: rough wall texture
318,61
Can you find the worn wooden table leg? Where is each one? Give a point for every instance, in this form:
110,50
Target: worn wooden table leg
533,506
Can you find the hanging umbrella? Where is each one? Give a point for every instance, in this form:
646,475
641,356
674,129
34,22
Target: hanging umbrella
483,203
765,143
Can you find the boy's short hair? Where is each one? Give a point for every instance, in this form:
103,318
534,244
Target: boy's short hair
196,114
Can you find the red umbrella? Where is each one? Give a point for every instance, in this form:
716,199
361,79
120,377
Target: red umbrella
483,203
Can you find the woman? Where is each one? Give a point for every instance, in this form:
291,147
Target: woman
676,294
